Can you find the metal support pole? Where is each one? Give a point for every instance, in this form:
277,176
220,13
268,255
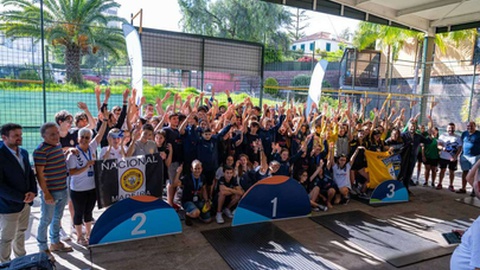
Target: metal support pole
203,66
427,62
262,65
42,42
472,89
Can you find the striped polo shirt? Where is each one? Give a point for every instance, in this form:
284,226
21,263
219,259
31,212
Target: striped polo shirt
52,158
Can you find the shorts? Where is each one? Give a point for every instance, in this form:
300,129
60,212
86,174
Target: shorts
419,156
452,165
359,164
324,192
172,170
191,206
466,162
431,161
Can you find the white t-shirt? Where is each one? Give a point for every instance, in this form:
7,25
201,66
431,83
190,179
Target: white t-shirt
142,149
467,254
114,153
342,176
451,143
85,180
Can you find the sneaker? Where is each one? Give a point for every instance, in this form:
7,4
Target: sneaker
61,247
472,194
461,191
323,208
219,218
451,188
425,184
82,241
439,186
227,213
181,214
433,184
345,201
364,196
64,236
188,220
355,190
412,183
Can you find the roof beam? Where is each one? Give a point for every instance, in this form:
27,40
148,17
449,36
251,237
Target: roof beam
424,7
461,19
360,2
387,13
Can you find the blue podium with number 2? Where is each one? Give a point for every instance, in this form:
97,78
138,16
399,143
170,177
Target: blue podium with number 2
135,218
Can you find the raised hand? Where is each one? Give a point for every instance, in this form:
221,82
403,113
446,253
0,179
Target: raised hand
82,106
97,91
125,94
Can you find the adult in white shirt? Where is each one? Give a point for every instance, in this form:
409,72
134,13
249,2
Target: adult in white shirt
450,145
467,254
82,183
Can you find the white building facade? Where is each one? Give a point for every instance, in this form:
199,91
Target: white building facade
322,40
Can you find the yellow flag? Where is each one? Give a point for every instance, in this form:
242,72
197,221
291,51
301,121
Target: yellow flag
381,167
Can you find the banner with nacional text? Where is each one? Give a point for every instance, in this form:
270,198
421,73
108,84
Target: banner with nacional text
118,179
381,167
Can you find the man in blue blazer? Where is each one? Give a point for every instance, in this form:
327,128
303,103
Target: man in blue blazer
18,188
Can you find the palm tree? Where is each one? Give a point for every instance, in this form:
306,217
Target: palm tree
77,26
394,39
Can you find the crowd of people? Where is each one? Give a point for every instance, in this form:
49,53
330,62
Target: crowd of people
212,153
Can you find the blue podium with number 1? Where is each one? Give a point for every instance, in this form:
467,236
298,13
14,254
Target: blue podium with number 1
276,197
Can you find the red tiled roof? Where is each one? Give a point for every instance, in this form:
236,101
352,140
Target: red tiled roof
320,35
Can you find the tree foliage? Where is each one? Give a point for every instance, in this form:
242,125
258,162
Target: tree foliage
76,26
248,20
301,80
296,29
271,82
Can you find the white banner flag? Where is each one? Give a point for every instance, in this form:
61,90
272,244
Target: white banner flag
315,89
134,49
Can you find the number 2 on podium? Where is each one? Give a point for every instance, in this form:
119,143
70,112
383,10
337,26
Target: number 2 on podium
143,219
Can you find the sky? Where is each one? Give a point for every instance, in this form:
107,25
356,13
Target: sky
165,15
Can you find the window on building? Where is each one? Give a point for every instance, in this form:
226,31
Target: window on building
302,47
328,47
312,46
294,47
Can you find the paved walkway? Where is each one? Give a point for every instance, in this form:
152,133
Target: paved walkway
190,250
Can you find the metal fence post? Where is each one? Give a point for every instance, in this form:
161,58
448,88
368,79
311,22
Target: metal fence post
42,42
472,89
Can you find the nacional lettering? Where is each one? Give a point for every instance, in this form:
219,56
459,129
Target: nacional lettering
130,163
116,198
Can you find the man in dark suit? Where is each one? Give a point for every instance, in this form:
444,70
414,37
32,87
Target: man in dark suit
18,188
411,143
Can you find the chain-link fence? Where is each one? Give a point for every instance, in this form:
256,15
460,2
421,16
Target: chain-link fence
453,86
223,65
27,99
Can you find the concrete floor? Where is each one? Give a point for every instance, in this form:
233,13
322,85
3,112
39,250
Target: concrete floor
190,249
